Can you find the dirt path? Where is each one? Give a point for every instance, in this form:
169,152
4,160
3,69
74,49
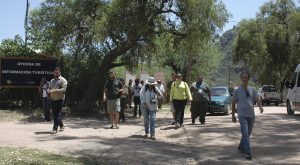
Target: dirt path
274,141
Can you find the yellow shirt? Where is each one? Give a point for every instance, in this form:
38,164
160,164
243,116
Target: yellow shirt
180,91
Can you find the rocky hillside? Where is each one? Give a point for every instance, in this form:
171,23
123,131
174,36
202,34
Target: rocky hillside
227,74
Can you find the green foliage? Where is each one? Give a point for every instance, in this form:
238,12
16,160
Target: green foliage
90,37
269,44
15,48
193,45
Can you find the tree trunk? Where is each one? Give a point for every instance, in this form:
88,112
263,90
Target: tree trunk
96,85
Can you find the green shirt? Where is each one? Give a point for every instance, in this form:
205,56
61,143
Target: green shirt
180,91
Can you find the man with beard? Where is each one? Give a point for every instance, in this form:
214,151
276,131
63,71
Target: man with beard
57,90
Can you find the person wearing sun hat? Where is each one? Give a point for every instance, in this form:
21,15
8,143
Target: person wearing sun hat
149,104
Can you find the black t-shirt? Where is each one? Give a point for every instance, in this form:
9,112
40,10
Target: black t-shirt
113,87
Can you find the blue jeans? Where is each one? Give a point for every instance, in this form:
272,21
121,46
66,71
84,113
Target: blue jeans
149,116
246,124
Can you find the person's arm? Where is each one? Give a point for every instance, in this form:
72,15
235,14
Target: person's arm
104,95
188,92
142,95
41,89
105,92
158,92
162,90
209,94
233,108
172,92
63,88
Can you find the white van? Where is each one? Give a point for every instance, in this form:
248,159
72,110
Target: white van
293,96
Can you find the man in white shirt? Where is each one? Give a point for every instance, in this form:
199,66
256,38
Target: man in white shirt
136,97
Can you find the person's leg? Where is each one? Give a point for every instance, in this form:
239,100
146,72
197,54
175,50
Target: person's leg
123,102
203,110
55,108
251,122
176,105
182,107
193,110
129,100
174,116
139,106
112,119
60,122
48,110
117,110
244,143
117,115
152,115
44,106
135,106
146,120
160,102
173,113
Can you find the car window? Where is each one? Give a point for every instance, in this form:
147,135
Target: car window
218,92
270,89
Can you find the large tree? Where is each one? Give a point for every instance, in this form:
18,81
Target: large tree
267,43
195,43
118,32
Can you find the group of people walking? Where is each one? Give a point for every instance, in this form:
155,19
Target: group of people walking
146,102
148,99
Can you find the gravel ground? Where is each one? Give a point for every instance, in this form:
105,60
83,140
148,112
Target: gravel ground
275,139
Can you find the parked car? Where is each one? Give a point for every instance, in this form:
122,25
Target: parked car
220,100
293,95
269,94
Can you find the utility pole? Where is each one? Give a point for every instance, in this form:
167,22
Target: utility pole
26,21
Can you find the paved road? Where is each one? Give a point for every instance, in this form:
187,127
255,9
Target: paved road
275,140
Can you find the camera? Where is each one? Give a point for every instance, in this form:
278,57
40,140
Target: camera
153,101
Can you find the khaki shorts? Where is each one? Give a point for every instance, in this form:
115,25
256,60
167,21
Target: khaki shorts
113,105
172,108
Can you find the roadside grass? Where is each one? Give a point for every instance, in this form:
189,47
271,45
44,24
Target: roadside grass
33,156
18,114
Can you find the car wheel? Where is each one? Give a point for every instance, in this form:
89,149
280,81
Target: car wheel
276,103
227,109
289,108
